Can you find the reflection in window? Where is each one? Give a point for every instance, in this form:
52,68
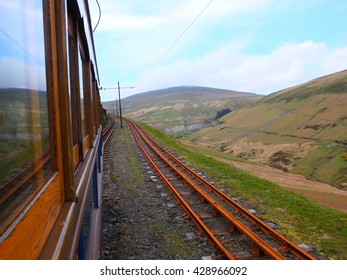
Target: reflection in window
73,88
24,125
81,74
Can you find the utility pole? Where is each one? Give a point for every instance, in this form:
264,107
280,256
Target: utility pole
120,108
116,107
119,102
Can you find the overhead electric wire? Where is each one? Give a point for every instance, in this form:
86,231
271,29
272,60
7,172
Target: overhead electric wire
21,47
97,2
173,44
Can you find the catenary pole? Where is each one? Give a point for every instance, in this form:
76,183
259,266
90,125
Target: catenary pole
120,108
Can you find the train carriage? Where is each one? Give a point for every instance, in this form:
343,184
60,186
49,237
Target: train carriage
50,131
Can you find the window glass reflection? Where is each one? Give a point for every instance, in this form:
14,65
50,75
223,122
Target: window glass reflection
24,125
81,83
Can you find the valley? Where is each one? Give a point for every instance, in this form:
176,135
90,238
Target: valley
300,132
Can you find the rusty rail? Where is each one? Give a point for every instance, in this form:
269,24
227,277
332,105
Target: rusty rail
107,131
20,179
259,244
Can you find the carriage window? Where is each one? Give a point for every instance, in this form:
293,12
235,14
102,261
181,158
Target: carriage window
73,89
77,80
81,64
25,159
93,102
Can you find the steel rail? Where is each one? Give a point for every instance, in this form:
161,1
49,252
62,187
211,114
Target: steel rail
14,178
266,248
36,165
287,245
190,212
107,132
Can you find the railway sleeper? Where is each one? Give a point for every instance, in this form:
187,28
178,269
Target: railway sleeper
202,200
256,251
232,228
215,212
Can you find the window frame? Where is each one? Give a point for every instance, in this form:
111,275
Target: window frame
50,196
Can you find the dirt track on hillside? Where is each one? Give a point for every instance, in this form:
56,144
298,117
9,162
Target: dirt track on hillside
316,191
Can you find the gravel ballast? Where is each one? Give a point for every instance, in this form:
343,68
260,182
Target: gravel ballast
141,219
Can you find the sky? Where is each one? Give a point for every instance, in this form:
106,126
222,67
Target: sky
22,49
258,46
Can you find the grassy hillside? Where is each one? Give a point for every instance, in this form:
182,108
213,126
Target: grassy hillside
182,106
301,130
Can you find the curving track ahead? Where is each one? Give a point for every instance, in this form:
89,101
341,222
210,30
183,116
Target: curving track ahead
237,233
108,131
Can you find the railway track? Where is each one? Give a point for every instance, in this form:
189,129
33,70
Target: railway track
22,177
107,131
237,233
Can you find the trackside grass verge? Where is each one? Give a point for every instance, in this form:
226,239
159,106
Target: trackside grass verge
129,156
301,220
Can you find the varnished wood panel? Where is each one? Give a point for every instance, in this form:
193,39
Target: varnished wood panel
32,230
76,156
86,145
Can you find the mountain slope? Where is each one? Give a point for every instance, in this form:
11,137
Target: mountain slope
302,129
179,106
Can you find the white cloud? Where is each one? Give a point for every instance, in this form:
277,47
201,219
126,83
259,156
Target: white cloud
234,44
335,60
287,65
132,15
